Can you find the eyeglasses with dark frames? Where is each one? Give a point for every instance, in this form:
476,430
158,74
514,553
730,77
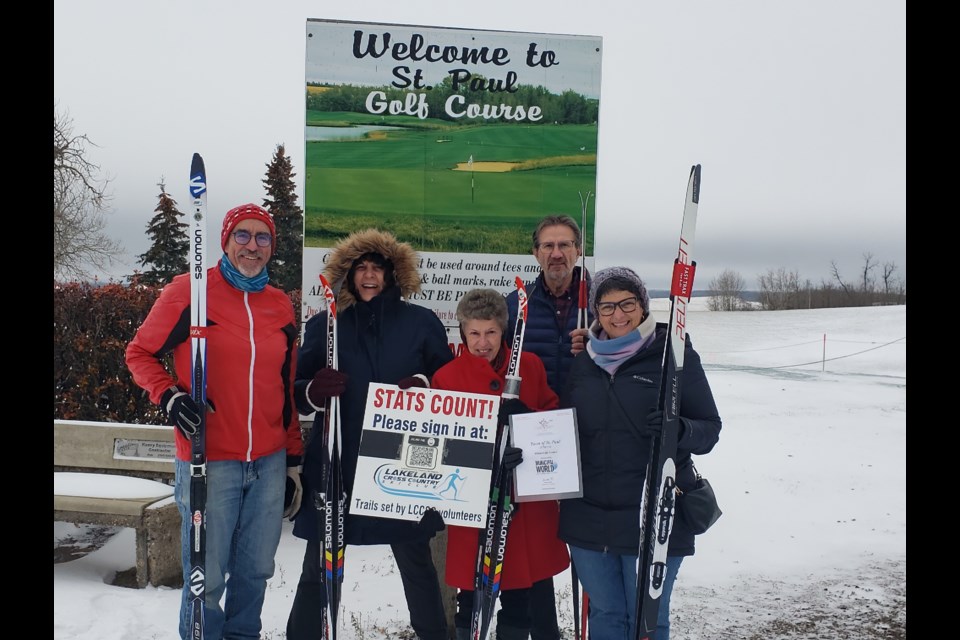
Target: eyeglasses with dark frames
242,237
548,247
627,305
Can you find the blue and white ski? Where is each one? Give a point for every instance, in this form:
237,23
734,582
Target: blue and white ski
198,390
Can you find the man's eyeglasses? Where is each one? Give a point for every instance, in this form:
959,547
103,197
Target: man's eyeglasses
548,247
242,237
628,305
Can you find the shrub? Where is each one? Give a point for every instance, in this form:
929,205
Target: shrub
92,326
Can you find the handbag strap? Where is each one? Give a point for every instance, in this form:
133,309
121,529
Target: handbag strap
695,471
699,477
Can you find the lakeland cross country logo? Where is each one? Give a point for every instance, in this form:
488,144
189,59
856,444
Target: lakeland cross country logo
410,483
398,481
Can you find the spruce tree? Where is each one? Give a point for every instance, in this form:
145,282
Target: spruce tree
286,265
167,255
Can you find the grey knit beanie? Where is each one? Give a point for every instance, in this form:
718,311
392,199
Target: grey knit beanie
618,278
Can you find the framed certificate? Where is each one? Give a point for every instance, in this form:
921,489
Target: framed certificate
551,455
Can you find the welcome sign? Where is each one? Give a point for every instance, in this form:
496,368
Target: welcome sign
457,141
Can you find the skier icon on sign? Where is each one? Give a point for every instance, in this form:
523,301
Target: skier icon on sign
452,484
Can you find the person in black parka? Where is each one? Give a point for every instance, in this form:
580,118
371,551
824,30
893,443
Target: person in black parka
614,386
381,337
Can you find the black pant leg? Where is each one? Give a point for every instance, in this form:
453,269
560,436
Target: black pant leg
514,612
305,620
463,617
421,588
543,611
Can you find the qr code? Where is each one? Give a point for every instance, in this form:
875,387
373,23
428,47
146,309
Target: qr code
546,466
422,457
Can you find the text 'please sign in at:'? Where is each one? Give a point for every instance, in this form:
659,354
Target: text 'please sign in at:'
425,448
435,413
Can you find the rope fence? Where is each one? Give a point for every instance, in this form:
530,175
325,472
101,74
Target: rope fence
822,361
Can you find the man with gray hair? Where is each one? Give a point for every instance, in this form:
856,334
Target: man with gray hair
552,333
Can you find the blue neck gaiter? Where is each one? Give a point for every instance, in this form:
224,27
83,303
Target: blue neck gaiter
240,281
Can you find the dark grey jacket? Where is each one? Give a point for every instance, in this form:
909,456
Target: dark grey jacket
611,415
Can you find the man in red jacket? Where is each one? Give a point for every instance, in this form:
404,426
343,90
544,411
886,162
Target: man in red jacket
253,442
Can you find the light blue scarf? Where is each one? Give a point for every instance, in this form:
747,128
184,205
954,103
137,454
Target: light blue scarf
610,353
240,281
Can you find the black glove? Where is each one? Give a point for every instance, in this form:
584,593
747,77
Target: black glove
654,423
181,410
511,407
293,493
413,381
431,522
326,383
512,456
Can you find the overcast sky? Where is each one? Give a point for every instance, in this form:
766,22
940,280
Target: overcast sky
796,111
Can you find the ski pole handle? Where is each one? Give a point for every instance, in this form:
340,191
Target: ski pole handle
511,387
511,384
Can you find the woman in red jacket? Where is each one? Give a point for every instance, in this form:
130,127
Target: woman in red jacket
533,550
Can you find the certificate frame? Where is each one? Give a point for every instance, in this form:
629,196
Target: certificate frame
551,455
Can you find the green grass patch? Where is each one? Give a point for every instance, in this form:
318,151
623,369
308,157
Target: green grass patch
405,181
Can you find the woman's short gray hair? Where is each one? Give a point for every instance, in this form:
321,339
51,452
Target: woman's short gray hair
483,304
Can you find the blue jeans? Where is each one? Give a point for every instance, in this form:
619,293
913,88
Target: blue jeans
243,521
610,581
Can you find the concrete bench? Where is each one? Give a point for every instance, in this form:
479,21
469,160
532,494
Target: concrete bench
121,475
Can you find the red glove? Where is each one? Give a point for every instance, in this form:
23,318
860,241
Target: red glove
418,380
327,383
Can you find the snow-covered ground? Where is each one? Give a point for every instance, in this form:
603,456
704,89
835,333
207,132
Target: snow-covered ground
810,472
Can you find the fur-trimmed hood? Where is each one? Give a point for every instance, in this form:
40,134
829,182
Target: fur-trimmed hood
401,254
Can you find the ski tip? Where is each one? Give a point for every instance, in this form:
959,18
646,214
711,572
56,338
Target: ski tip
198,181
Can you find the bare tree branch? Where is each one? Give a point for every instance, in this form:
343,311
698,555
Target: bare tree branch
80,198
726,292
835,271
